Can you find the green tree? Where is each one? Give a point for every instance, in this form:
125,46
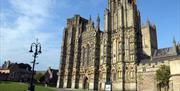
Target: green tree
162,76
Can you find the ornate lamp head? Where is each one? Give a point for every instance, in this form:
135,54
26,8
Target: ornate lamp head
40,49
31,49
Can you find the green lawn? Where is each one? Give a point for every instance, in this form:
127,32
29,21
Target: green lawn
13,86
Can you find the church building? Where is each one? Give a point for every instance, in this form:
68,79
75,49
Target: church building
124,54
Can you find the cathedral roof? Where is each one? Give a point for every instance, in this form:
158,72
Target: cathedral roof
165,52
161,55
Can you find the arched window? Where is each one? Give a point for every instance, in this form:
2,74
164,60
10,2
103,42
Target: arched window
120,74
83,61
87,55
114,50
114,76
101,52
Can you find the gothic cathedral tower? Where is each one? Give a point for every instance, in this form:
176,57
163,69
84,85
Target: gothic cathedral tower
90,57
124,47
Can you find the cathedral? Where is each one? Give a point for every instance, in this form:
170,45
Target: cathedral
124,54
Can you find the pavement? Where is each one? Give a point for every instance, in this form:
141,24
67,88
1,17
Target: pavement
65,89
61,89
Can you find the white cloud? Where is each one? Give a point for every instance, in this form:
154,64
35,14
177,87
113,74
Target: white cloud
32,15
38,8
25,20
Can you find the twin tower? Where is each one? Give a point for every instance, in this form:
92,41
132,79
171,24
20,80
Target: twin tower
91,57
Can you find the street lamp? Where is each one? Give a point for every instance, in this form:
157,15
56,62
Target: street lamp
37,51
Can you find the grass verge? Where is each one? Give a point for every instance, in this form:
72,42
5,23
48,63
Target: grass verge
15,86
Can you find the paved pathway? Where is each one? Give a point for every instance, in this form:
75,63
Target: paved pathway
61,89
65,89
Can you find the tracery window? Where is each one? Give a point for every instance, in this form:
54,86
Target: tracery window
101,52
120,74
83,61
114,50
88,55
114,77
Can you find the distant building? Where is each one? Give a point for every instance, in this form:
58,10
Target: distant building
6,64
50,77
15,72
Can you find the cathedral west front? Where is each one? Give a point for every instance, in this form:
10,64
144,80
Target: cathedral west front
124,54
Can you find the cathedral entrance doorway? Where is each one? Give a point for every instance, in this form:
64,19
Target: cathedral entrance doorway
85,83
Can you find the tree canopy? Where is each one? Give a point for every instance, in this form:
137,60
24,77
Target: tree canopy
163,75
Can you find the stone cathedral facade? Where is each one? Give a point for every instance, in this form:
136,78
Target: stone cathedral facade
125,53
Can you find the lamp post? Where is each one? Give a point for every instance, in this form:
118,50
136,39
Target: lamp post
37,46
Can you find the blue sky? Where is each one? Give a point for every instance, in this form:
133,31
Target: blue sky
22,21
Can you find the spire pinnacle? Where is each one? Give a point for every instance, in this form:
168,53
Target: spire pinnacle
90,18
98,18
148,21
174,40
98,22
174,45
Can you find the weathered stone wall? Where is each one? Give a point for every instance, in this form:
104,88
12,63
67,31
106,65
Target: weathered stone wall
175,75
147,70
146,81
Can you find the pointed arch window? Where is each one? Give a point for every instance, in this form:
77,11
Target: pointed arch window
88,52
83,61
